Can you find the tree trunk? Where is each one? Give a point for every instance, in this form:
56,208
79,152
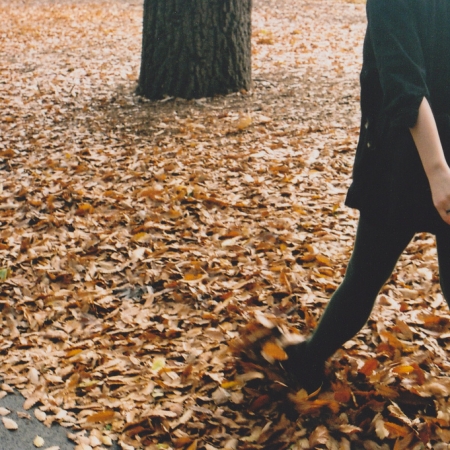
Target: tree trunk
195,48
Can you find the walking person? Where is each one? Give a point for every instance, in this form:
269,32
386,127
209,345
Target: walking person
401,176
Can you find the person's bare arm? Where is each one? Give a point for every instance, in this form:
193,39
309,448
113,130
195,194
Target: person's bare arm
426,138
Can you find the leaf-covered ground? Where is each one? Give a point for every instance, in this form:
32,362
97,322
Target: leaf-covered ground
143,244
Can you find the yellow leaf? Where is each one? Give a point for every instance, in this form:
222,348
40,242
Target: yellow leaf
321,259
158,363
139,237
230,384
244,122
298,209
75,351
174,214
193,276
104,416
265,41
193,446
274,351
403,369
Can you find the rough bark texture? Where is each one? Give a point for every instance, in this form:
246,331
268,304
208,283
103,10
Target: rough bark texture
195,48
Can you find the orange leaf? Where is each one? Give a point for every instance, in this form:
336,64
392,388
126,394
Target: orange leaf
84,209
104,416
311,407
182,441
7,153
431,320
274,351
419,373
369,366
193,446
396,430
193,276
307,257
392,340
402,444
74,352
401,370
343,395
34,202
150,192
73,380
135,430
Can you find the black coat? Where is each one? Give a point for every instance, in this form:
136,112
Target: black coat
406,57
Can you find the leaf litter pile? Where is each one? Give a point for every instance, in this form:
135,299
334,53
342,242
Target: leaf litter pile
157,257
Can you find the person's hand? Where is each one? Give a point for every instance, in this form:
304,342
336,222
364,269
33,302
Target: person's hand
440,190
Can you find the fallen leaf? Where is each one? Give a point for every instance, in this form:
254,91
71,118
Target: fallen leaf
4,411
38,442
274,351
244,122
9,424
103,416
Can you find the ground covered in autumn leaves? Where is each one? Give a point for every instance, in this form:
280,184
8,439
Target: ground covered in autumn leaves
142,243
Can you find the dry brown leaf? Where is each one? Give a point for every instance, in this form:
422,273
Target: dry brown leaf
40,415
4,411
103,416
9,423
139,238
320,436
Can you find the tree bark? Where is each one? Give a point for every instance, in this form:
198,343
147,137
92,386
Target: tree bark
195,48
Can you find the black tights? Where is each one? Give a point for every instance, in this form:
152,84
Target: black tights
374,257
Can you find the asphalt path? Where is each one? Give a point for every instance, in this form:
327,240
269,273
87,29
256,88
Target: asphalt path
23,437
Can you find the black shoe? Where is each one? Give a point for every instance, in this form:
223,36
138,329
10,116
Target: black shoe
302,371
